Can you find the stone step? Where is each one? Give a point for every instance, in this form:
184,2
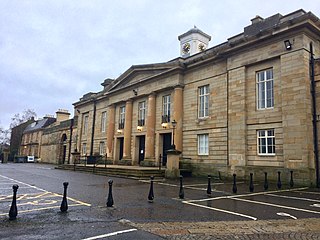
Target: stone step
125,172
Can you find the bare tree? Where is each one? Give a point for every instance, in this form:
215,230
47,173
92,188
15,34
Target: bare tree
4,136
23,117
17,119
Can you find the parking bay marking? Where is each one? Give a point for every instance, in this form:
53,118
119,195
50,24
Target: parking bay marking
237,197
295,198
276,205
221,210
40,196
11,179
43,201
244,195
111,234
286,215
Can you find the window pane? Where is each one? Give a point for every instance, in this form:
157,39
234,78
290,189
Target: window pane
265,95
166,105
269,74
203,104
203,144
266,141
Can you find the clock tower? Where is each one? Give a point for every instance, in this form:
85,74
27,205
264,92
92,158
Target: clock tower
193,42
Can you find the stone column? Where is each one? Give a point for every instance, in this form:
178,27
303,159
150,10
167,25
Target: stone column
151,121
237,119
178,115
127,131
296,113
110,131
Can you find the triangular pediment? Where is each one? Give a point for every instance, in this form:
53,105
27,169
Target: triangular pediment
139,73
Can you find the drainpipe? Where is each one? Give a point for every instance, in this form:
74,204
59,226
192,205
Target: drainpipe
93,124
314,116
70,142
228,161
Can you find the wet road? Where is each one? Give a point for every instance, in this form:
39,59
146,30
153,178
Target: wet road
39,198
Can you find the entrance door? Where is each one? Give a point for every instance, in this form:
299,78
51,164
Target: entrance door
142,140
63,149
166,138
121,148
64,154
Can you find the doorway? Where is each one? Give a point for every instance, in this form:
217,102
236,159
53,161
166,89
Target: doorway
166,145
142,142
120,147
64,154
63,149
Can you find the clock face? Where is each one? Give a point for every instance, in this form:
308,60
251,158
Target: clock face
186,48
201,47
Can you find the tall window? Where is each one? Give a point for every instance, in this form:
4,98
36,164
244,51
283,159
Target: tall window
266,142
203,144
141,113
84,149
103,121
85,124
265,98
166,104
203,106
122,117
102,149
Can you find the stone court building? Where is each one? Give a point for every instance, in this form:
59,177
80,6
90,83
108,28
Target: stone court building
244,105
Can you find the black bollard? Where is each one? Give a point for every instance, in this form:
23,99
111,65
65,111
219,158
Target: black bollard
64,203
110,198
251,187
279,180
181,192
209,186
266,185
13,209
291,179
151,196
234,187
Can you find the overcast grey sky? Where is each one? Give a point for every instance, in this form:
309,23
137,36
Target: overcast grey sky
54,51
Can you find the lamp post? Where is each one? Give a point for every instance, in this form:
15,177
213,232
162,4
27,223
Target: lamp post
174,124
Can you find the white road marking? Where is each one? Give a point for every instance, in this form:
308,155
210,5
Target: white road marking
276,205
40,209
286,215
11,179
220,210
315,205
10,188
243,195
42,194
110,234
295,198
316,193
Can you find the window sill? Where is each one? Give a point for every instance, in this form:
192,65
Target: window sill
267,155
202,119
264,109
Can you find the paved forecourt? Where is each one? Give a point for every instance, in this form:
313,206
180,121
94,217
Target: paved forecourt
30,198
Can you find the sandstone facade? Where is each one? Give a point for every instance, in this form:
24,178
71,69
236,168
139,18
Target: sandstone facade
242,106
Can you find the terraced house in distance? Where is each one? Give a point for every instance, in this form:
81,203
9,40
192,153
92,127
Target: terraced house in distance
250,104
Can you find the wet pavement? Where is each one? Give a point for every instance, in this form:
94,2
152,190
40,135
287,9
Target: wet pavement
286,213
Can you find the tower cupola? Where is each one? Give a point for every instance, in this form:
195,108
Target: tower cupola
193,42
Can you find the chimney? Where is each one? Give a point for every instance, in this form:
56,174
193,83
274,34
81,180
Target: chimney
62,115
256,19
